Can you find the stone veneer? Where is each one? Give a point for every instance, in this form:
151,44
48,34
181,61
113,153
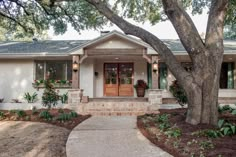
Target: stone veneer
155,96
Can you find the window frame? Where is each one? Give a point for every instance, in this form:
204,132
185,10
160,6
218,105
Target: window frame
45,67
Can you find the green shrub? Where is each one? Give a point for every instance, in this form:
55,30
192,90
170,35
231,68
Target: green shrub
64,117
179,93
208,133
45,115
224,108
206,145
226,128
73,114
20,113
173,132
50,96
163,121
2,115
64,98
233,112
30,98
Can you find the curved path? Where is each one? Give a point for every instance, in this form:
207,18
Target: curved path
110,137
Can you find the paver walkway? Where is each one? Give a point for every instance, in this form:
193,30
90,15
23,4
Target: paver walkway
110,137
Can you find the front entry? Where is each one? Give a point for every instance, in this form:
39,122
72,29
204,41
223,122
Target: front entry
118,79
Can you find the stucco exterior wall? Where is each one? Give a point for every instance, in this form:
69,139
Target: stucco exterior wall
16,78
87,77
140,72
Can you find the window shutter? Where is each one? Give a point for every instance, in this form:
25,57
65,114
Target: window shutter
149,75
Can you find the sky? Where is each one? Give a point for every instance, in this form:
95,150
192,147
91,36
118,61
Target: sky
163,30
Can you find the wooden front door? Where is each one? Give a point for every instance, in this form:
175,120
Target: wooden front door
118,79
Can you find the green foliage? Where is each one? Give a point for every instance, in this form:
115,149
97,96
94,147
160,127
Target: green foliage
30,98
32,17
173,132
163,121
206,145
179,93
64,117
64,98
2,115
234,112
73,114
226,128
50,96
208,133
20,113
45,115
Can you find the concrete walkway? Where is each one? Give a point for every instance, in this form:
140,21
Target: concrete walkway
110,137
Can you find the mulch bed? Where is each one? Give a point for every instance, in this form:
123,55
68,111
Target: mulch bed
187,144
69,124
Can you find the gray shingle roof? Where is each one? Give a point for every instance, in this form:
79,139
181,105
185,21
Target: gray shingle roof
60,47
47,46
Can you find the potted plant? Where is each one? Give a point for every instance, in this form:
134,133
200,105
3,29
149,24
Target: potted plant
140,87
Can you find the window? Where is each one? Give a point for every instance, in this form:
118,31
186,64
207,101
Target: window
57,70
227,76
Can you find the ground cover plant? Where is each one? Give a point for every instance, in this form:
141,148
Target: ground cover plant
169,131
60,117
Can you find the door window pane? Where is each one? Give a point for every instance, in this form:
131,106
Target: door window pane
125,73
69,70
111,73
162,76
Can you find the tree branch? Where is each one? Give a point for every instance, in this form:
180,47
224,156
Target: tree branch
14,20
185,28
165,53
215,26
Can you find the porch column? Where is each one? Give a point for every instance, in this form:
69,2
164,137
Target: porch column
155,74
75,74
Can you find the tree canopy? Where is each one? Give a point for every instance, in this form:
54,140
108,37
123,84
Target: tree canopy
35,16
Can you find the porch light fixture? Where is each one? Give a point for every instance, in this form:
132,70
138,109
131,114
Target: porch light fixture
154,66
75,66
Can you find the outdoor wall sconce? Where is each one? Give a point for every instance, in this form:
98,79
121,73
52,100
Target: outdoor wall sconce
154,66
75,66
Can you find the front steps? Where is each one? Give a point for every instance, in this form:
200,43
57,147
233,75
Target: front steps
115,108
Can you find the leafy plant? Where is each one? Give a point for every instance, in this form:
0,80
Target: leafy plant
50,96
141,84
226,128
234,112
30,98
73,114
2,115
179,93
20,113
163,121
224,108
64,117
208,133
173,132
45,115
206,145
64,98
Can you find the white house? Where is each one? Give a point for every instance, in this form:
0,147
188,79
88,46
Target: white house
108,66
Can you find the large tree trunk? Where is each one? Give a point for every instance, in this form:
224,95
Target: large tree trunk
202,94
